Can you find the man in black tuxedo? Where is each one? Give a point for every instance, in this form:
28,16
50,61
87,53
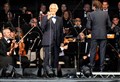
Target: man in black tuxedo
5,43
52,38
97,22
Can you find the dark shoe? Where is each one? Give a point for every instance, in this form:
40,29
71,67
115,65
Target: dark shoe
49,70
45,75
102,69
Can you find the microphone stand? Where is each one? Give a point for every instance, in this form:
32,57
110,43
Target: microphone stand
19,39
75,59
50,58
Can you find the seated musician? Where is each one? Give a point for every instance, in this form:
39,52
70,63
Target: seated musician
33,34
19,50
84,58
5,43
116,28
77,27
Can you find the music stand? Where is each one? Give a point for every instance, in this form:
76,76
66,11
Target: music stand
78,49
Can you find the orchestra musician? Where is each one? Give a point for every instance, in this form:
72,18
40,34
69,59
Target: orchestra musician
19,51
116,28
42,12
97,22
34,33
5,43
52,37
7,16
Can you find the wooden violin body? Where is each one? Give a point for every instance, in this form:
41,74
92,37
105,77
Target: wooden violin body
22,51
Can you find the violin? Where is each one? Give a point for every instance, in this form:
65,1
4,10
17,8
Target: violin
21,44
13,46
22,51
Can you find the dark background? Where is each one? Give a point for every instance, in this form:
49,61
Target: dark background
33,5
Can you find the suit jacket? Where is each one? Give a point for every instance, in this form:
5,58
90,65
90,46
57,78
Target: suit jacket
4,47
98,21
53,33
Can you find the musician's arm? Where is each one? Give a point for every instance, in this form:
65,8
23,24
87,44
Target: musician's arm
116,29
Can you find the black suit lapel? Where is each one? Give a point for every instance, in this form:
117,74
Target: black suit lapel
5,42
57,22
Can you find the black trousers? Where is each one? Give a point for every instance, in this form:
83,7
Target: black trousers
51,56
5,60
24,61
102,46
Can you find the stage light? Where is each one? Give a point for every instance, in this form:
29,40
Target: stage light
86,71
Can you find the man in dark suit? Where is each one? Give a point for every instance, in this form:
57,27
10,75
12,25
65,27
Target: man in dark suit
84,12
97,22
52,38
5,43
105,7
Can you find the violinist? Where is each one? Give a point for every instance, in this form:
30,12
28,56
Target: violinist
32,35
5,43
19,51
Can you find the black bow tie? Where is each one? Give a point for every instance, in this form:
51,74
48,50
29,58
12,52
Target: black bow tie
54,17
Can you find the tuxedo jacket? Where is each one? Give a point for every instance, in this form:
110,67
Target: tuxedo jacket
52,32
4,47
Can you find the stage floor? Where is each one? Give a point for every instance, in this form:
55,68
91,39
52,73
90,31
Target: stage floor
62,80
79,77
